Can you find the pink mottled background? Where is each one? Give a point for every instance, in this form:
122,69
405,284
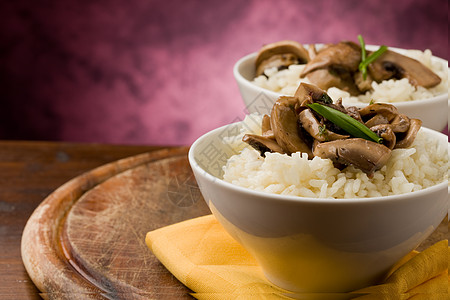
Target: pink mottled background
160,72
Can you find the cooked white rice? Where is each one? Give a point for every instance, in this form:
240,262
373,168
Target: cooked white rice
286,82
424,164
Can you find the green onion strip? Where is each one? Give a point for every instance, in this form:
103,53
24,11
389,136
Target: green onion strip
363,47
365,61
347,123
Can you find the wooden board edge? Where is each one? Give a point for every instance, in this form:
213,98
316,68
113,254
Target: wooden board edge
40,246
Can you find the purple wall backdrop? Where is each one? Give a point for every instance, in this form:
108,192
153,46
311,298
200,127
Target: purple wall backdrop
160,72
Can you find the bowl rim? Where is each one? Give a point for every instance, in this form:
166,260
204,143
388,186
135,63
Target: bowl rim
264,196
252,56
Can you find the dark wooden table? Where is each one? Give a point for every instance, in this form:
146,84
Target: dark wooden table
29,172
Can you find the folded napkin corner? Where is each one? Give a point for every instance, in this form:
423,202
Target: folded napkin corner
206,259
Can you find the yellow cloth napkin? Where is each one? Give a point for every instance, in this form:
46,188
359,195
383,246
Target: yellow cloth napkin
205,258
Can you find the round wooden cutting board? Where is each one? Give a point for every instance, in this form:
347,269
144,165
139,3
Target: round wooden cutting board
87,239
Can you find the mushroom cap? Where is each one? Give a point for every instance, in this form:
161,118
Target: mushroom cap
345,56
363,154
410,135
353,112
284,123
277,50
262,144
385,132
278,61
387,110
392,64
400,123
376,120
307,91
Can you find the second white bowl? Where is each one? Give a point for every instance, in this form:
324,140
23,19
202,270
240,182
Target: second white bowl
431,111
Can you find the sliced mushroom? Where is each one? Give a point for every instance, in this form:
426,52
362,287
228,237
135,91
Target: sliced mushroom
265,125
353,112
395,65
317,130
284,123
345,56
326,78
312,51
377,120
262,144
311,93
305,103
279,61
266,128
363,154
338,106
410,135
385,132
400,123
280,54
387,110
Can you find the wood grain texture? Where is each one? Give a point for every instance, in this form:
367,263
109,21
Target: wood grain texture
86,240
29,172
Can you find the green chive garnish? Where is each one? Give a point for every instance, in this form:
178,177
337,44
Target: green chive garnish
365,61
372,57
363,47
347,123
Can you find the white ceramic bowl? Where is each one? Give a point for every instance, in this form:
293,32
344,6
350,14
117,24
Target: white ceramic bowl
316,245
431,111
